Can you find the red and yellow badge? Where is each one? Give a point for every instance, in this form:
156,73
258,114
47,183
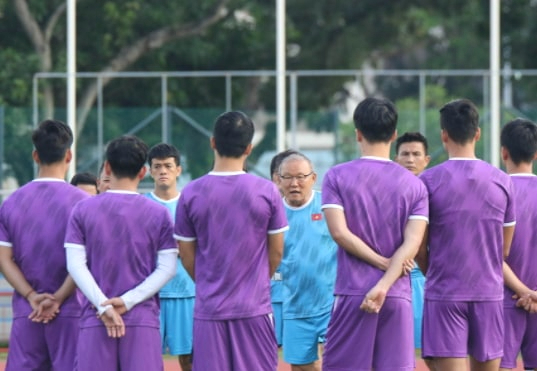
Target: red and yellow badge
317,216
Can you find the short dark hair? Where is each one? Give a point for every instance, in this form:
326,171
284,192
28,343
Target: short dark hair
460,119
233,132
162,151
127,156
52,139
278,158
519,137
84,178
411,136
376,118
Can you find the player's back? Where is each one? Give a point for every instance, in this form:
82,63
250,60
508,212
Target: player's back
229,215
378,197
523,254
35,219
470,202
122,233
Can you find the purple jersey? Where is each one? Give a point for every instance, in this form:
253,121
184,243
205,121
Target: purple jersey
470,201
523,255
378,198
229,216
32,223
122,233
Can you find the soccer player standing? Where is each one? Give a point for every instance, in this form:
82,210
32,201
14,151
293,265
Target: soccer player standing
177,296
32,228
120,252
411,153
383,204
230,226
472,219
519,149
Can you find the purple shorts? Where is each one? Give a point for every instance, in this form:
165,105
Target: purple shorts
358,340
456,329
38,346
520,336
139,350
241,344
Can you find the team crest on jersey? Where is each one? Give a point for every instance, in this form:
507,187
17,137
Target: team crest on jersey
316,216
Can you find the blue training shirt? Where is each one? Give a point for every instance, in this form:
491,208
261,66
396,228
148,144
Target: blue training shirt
181,285
309,261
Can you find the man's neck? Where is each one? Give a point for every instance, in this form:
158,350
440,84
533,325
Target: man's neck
57,171
456,150
229,164
379,149
522,168
167,193
124,184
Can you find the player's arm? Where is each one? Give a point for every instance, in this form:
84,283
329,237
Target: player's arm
413,237
16,278
512,281
422,258
508,233
337,225
187,251
164,271
48,308
78,269
275,251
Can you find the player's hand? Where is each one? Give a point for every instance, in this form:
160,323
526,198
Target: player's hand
113,322
527,301
46,311
408,265
117,303
35,300
374,300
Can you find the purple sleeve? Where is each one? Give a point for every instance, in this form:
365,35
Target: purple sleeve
4,234
421,205
74,232
330,194
183,224
278,219
510,217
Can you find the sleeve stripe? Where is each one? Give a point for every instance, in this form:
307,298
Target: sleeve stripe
509,224
183,238
331,206
73,245
280,230
6,244
418,217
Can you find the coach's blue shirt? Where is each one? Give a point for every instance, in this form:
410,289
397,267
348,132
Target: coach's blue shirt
309,261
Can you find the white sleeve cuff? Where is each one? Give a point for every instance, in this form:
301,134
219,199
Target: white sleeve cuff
165,270
78,269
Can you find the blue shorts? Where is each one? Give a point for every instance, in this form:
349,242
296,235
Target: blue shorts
176,325
301,338
417,280
278,322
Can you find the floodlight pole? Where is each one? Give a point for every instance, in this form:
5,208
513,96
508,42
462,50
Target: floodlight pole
71,79
495,107
280,76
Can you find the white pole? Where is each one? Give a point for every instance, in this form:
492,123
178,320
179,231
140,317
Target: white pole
495,108
280,75
71,79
